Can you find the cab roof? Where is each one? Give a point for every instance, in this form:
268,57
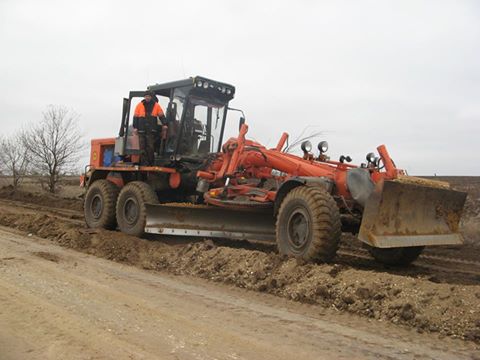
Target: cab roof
166,88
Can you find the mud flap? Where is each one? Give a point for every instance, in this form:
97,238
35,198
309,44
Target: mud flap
402,214
208,221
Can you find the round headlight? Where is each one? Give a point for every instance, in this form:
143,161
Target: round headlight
199,83
229,91
306,146
205,85
223,90
323,147
370,157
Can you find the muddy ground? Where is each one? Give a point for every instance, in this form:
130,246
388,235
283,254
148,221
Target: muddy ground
69,194
58,303
432,296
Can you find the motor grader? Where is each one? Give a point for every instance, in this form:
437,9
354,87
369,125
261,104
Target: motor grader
239,189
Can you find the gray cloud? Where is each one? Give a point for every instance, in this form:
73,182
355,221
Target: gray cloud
401,73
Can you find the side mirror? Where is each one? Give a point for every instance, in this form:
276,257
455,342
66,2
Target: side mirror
241,122
124,117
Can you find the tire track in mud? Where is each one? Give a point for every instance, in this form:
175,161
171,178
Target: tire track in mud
430,301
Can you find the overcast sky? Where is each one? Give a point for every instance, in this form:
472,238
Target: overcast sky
402,73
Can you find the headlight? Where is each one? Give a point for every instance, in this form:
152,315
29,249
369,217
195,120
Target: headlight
323,147
229,91
370,157
306,146
205,85
223,90
199,83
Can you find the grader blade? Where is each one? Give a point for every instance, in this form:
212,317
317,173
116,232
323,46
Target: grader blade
208,221
406,212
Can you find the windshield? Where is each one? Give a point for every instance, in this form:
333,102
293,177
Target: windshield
202,127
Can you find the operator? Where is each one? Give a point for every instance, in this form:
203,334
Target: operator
147,120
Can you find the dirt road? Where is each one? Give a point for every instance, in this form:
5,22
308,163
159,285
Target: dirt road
56,303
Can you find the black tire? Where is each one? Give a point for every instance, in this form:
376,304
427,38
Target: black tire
398,256
308,224
131,210
99,205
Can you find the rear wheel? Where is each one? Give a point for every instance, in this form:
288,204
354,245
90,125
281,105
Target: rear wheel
99,205
398,256
308,224
131,209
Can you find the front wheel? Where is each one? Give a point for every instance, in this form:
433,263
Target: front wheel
397,256
308,224
131,209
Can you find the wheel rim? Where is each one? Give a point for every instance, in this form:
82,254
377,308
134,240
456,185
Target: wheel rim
298,227
131,211
96,206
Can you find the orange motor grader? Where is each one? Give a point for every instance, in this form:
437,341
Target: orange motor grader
201,186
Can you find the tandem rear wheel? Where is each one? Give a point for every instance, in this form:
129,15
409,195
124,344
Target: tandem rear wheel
308,224
131,210
99,205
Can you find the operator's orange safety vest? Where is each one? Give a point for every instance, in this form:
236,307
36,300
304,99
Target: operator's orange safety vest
140,110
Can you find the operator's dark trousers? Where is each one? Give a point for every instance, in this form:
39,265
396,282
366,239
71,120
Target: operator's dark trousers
147,136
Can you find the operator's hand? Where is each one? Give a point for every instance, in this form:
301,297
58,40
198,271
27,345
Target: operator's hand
161,120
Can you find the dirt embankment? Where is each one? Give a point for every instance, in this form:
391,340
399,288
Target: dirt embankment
41,198
415,298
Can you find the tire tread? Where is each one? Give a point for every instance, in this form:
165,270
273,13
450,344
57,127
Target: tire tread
109,193
146,195
326,226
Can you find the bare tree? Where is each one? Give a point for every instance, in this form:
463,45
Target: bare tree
55,144
14,158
